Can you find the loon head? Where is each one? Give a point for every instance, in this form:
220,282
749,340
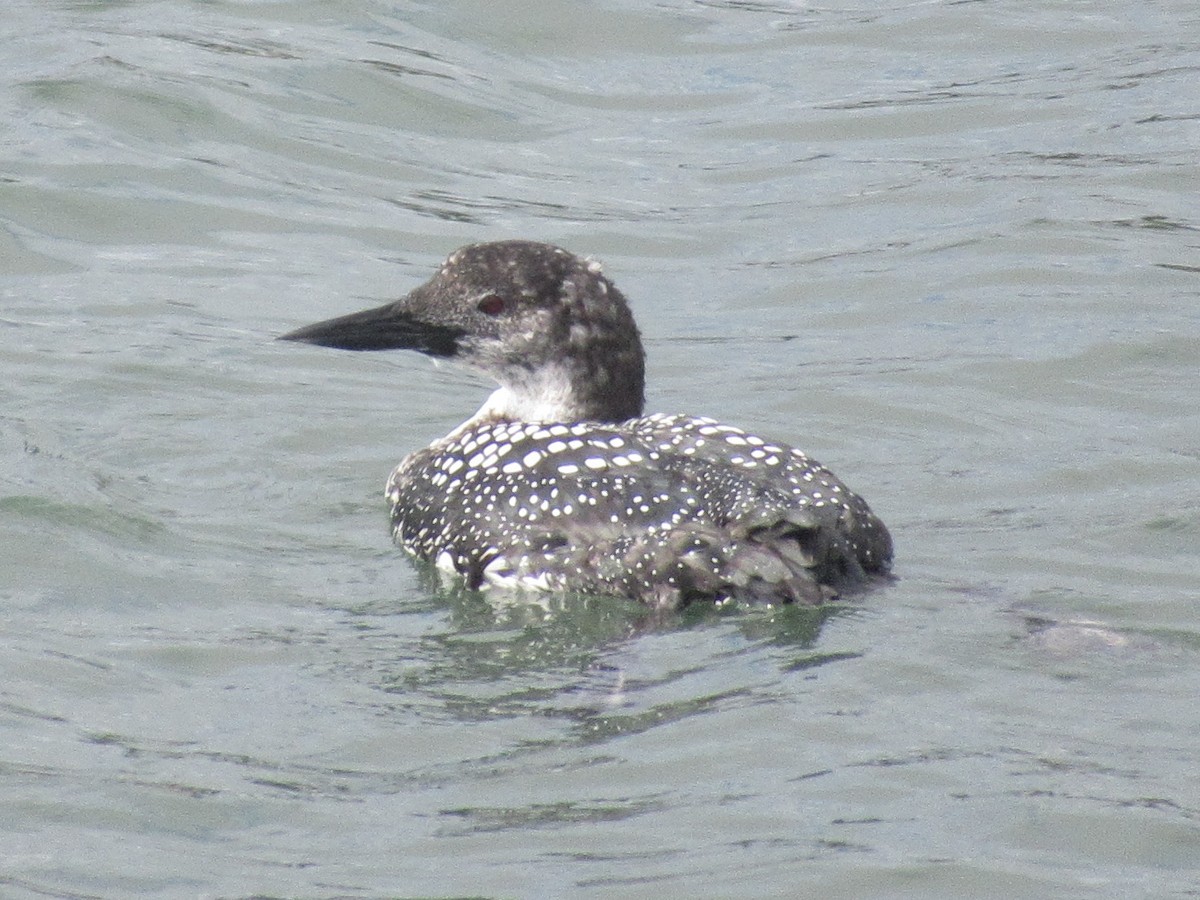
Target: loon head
544,323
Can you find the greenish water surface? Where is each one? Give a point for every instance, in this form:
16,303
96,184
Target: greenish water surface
951,250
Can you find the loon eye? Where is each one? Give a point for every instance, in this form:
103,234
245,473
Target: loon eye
491,305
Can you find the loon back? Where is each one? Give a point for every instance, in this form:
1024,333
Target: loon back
558,483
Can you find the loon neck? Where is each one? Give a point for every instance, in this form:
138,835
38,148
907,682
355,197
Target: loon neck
506,405
566,392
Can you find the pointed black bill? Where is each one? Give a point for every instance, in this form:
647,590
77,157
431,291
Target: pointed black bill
387,327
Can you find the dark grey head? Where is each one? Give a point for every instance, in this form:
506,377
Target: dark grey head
544,323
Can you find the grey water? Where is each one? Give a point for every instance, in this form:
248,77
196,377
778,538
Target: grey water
950,249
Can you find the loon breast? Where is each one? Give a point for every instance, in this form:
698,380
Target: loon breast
560,483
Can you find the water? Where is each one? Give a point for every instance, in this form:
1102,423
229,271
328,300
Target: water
952,250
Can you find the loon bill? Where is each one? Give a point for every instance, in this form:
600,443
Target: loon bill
560,483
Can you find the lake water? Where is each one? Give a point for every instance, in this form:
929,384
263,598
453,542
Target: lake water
950,249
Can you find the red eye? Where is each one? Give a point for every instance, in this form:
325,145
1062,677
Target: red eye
491,305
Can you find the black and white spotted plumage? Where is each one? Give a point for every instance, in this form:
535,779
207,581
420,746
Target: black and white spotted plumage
559,483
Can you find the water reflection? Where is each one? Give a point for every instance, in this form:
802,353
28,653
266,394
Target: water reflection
582,661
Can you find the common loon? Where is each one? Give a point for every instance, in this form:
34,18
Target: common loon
560,483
